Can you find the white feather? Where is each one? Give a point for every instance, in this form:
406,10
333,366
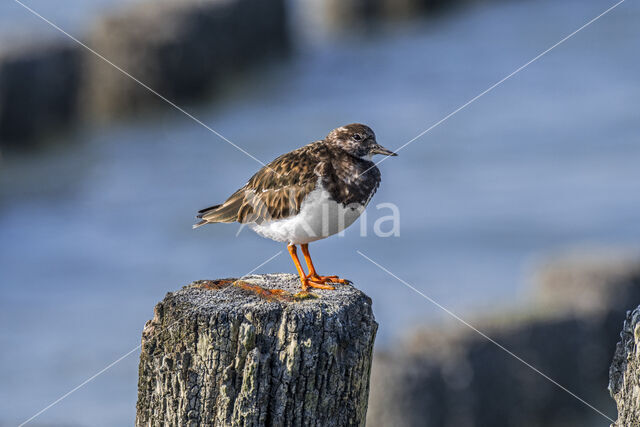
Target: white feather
319,217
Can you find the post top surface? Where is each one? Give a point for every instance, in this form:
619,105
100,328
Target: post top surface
253,293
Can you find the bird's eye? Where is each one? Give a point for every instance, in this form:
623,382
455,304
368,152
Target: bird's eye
357,137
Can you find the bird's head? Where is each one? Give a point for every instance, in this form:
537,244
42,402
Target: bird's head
358,140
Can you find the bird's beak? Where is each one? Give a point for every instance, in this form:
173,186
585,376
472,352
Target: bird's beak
379,149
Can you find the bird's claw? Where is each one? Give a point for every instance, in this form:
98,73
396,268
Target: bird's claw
318,281
316,284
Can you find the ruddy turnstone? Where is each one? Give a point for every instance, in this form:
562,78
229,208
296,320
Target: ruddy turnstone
308,194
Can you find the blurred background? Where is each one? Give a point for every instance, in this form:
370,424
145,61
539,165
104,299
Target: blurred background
504,208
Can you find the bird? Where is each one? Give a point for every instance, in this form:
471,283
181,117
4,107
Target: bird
308,194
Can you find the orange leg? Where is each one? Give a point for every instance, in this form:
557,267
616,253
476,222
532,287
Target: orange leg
306,283
315,277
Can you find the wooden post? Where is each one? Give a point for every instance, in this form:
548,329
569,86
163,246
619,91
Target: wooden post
624,374
230,352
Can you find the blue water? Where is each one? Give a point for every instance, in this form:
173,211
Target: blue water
95,231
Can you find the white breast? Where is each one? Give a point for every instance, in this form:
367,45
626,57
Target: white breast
319,217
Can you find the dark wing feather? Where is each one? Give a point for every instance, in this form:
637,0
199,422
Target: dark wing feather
276,191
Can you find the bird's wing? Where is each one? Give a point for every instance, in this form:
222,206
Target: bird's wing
276,191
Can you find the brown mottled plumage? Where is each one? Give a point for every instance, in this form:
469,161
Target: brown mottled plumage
307,194
277,190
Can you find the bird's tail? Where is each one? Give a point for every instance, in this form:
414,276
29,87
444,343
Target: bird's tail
226,212
203,212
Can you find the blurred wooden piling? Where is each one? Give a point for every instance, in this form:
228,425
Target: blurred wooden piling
440,374
232,352
183,50
39,85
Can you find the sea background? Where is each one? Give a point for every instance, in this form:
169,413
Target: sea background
95,229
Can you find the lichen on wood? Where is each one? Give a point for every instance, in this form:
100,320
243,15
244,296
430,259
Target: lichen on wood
225,353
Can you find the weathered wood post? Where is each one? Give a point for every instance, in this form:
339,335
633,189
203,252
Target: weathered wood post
232,352
624,374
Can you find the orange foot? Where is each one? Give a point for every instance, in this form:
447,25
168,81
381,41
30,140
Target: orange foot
320,282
